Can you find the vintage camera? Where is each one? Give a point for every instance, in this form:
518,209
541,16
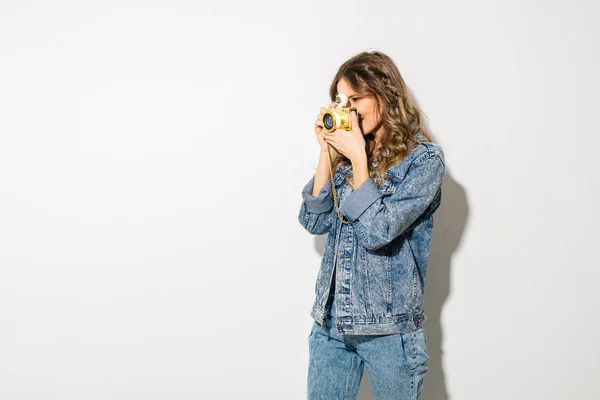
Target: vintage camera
338,117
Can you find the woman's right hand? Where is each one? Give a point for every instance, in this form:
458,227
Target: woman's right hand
319,131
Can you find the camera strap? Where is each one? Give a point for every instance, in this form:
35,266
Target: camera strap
337,210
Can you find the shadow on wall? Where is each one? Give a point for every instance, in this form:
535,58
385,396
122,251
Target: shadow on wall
449,223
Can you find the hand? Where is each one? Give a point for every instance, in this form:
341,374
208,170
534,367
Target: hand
319,131
349,143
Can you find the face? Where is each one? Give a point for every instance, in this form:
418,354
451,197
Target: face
365,106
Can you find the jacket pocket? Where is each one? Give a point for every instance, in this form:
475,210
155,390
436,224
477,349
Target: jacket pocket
377,270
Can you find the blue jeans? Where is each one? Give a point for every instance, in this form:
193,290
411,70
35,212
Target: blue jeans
396,363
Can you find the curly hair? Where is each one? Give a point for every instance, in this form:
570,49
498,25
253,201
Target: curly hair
373,72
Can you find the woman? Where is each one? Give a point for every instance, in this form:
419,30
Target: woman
369,289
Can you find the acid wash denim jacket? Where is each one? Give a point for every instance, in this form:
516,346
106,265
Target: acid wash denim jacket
380,256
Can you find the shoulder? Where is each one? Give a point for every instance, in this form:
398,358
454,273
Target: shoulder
423,153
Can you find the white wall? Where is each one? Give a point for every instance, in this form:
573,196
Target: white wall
152,156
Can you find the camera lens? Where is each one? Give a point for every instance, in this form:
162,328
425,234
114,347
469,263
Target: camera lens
328,121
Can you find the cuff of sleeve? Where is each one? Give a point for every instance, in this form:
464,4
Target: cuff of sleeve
321,203
360,199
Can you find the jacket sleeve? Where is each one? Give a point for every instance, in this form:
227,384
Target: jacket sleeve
379,219
317,213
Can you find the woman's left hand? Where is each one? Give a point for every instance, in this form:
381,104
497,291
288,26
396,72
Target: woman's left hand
349,143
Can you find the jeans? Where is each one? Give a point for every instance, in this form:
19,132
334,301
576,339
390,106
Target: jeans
396,363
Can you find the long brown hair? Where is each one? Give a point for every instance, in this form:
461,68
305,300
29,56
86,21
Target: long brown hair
373,72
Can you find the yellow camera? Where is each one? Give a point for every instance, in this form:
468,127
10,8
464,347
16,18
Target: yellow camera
338,117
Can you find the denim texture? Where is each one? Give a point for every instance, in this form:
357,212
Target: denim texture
382,253
397,363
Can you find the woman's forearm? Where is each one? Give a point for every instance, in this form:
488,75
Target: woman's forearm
360,170
322,174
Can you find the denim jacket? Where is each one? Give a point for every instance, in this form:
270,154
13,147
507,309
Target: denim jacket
380,256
